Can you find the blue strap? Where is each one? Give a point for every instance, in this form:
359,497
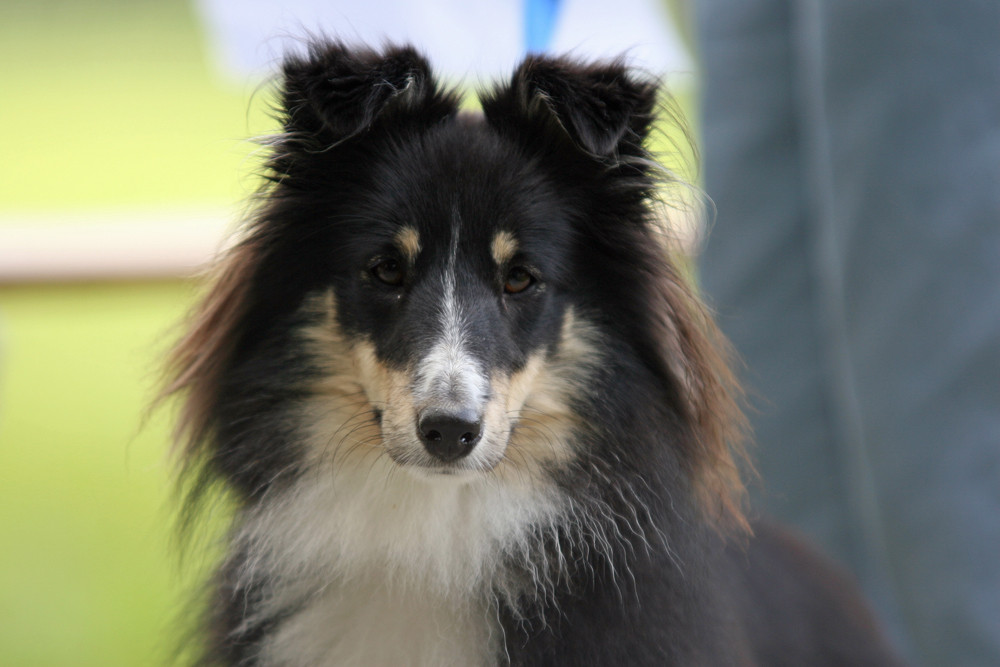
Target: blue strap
539,23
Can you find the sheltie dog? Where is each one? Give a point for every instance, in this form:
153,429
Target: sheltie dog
467,409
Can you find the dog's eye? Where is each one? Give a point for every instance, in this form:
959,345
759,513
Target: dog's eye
518,280
388,271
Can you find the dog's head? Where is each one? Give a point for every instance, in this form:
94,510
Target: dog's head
447,289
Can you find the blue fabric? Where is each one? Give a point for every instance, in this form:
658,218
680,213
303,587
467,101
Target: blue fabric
539,23
853,153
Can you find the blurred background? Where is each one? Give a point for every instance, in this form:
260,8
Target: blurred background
120,161
125,158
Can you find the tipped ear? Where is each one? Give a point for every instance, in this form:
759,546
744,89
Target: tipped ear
335,93
605,109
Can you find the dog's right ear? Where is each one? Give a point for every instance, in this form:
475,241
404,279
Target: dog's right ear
334,93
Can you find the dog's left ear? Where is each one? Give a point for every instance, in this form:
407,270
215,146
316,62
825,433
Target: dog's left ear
604,109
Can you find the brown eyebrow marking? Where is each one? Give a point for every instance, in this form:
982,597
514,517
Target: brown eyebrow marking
503,248
408,241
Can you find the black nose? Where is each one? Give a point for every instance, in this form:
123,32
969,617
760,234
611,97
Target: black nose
449,436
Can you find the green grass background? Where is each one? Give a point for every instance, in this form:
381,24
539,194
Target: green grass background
106,104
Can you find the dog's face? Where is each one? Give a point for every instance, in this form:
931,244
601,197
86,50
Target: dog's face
435,264
450,291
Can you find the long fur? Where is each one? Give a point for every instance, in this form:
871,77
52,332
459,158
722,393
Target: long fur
410,268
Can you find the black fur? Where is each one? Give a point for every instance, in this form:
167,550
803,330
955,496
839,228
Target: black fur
654,565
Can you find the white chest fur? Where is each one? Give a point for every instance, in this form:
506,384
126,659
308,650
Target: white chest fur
381,567
366,622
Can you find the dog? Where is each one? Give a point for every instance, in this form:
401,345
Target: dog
466,408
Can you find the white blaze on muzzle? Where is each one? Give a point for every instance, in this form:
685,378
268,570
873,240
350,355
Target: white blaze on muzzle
449,377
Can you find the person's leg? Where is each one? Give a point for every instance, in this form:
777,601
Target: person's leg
911,96
757,268
852,149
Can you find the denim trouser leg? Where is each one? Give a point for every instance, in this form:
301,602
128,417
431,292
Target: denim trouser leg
853,152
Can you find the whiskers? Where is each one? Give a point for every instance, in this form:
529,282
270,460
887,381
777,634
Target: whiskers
343,427
537,439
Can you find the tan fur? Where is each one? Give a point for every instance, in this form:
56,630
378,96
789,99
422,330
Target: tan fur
339,393
503,248
702,360
195,364
540,393
352,382
408,242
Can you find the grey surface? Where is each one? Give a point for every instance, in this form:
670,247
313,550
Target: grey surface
853,152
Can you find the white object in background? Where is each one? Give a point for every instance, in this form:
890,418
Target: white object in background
109,245
464,40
